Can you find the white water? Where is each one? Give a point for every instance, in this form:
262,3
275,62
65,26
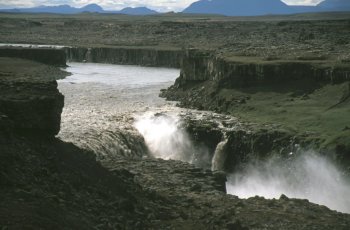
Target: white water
304,175
162,135
101,101
220,155
308,176
108,108
166,138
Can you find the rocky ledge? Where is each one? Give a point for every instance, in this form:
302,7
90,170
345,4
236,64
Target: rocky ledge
144,56
286,101
240,71
29,99
52,184
49,184
49,56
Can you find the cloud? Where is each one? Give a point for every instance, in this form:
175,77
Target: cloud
302,2
160,5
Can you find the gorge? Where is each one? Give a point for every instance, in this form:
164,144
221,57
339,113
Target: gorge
111,177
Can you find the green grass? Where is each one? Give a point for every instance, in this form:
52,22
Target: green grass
299,112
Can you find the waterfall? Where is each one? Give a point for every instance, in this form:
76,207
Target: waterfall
220,155
163,136
110,144
166,138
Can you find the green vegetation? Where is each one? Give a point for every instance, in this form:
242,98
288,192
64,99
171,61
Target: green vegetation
316,114
320,114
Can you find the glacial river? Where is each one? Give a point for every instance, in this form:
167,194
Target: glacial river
102,100
115,111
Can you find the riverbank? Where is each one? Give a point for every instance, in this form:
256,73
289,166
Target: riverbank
292,92
302,102
285,71
47,183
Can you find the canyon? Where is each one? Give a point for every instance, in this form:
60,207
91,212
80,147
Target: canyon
154,193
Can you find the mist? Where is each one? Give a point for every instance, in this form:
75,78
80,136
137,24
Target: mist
306,176
167,139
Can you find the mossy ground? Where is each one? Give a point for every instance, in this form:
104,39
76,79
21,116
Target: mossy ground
321,113
322,37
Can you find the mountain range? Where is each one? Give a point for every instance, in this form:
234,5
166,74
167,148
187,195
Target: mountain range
221,7
91,8
238,7
261,7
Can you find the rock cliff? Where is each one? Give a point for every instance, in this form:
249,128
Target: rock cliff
48,56
244,71
127,56
30,101
240,143
282,98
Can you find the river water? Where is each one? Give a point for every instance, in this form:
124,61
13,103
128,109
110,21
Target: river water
115,111
102,101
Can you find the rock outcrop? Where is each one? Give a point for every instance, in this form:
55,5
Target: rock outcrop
244,71
239,143
47,56
127,56
254,88
29,99
52,184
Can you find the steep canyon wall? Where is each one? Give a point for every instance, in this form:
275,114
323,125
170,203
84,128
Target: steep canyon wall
30,102
245,71
127,56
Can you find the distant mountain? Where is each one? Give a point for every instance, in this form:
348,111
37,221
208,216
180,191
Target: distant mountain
92,8
61,9
138,11
261,7
239,7
335,5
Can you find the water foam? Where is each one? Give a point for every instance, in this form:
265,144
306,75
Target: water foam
220,155
307,176
167,139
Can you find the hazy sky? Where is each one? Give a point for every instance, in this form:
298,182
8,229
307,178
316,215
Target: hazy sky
160,5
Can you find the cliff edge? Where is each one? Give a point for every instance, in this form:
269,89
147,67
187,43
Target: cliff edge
30,102
305,100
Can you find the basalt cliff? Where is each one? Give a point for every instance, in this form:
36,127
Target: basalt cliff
47,183
126,56
275,95
286,82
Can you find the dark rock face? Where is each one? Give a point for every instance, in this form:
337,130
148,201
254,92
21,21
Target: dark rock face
127,56
51,184
48,56
241,143
231,84
30,101
242,72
